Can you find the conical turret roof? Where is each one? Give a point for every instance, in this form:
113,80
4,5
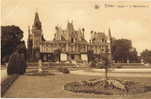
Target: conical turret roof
37,22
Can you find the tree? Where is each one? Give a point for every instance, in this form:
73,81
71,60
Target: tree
133,55
122,51
10,38
146,56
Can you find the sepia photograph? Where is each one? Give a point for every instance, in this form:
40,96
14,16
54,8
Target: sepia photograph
75,49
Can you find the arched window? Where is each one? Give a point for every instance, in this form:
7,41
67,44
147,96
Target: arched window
72,40
103,40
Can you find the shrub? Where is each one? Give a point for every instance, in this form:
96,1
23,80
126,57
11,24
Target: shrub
13,64
119,66
16,64
63,70
93,64
5,59
100,65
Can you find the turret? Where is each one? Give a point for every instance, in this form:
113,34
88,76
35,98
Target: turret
37,23
110,36
36,32
70,27
83,30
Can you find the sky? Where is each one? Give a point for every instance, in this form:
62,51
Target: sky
131,23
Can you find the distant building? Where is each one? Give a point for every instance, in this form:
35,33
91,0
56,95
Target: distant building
67,44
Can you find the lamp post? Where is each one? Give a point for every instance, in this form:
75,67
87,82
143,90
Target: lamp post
108,53
108,59
108,62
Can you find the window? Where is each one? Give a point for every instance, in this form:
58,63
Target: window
72,40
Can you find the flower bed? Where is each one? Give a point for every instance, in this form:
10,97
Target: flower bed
107,87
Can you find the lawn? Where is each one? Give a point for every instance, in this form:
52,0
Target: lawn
52,86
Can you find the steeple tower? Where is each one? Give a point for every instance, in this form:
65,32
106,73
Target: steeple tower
36,31
37,22
110,36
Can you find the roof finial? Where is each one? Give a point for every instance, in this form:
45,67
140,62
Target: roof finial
110,35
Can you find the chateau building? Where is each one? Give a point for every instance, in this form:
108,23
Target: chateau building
67,44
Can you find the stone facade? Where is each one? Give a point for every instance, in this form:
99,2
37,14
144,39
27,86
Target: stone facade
69,43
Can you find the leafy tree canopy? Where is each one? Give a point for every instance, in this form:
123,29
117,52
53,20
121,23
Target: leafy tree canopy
11,37
146,56
122,50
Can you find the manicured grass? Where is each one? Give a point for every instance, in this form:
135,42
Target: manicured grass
5,84
52,86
